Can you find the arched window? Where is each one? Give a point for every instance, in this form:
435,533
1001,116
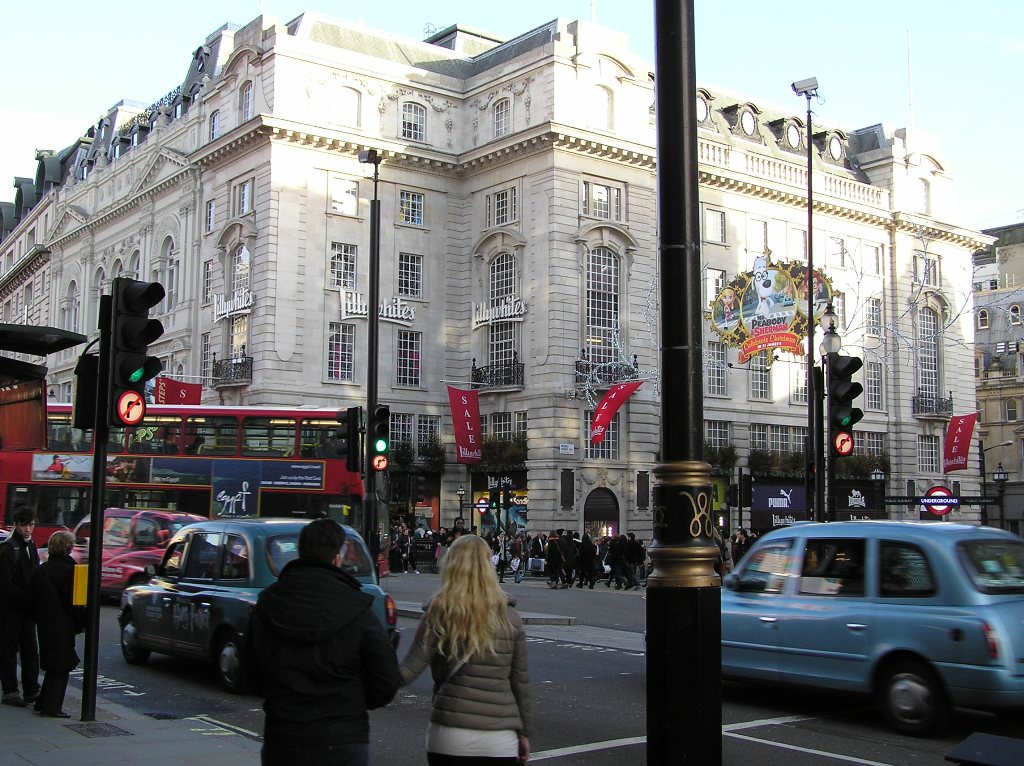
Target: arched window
414,121
350,107
240,264
601,108
602,305
1015,314
928,353
215,125
502,112
982,319
922,196
503,337
246,105
134,264
72,307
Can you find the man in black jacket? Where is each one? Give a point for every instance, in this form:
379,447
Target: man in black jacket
320,657
18,560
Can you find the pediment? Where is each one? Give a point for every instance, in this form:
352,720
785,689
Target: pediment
71,218
163,164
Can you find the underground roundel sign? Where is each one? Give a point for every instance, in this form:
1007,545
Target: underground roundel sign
940,500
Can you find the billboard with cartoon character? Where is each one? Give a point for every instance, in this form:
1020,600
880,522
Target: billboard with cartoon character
766,309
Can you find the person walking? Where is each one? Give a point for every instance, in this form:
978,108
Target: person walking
586,563
58,621
18,560
553,560
473,640
320,657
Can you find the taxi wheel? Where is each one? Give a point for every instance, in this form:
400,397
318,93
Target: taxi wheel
911,698
131,651
229,663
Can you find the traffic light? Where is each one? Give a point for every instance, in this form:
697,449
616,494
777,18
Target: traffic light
842,390
732,496
380,437
506,497
351,421
495,503
421,488
131,332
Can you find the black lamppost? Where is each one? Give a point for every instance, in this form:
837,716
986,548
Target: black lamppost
461,492
373,321
878,478
825,503
1000,477
982,449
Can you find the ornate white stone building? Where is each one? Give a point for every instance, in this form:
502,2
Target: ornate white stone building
518,252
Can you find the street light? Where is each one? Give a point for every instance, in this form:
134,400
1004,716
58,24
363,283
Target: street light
815,433
982,449
1000,477
878,477
373,157
461,492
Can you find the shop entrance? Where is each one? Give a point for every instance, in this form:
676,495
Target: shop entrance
601,514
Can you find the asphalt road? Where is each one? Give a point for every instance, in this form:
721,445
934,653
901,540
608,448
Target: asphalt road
589,698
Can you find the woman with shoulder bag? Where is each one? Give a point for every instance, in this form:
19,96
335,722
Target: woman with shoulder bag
474,642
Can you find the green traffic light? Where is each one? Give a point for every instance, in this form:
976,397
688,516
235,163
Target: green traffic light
136,376
380,445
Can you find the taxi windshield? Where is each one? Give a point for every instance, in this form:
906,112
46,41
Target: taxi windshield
283,548
995,566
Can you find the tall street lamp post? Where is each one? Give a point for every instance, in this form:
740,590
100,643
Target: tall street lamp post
684,597
1000,477
461,492
878,479
373,322
815,429
982,449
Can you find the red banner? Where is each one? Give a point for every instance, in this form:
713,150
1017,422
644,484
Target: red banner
170,391
958,442
615,398
466,421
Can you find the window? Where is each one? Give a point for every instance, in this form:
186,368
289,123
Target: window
602,201
609,448
903,571
760,377
717,369
798,244
758,436
769,565
343,266
928,353
602,307
928,454
410,207
715,281
207,281
240,266
350,107
203,551
239,337
714,225
778,438
414,121
502,207
873,385
236,559
71,308
206,361
757,236
1015,314
873,258
268,437
716,433
341,341
243,197
798,385
503,285
407,372
1011,409
502,112
211,214
344,196
837,251
874,442
926,269
215,125
982,319
171,284
410,275
428,431
245,102
873,313
833,568
401,427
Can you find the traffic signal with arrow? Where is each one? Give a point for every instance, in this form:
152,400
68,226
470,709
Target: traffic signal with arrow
131,332
842,391
380,437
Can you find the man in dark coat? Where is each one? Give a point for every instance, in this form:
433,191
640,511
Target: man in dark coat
18,560
320,658
58,621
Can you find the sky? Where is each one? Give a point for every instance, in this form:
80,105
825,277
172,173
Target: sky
952,74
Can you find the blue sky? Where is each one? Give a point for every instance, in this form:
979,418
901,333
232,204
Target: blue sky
67,62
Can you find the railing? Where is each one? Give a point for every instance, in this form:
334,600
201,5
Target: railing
933,405
598,373
504,374
232,372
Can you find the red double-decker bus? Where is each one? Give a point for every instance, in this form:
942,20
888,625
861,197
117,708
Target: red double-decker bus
208,460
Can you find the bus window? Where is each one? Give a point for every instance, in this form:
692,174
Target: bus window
321,438
268,437
61,436
159,435
115,439
209,435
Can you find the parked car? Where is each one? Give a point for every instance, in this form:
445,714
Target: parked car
923,616
133,541
198,602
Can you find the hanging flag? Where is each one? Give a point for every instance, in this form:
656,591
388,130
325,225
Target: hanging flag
466,421
170,391
958,442
615,398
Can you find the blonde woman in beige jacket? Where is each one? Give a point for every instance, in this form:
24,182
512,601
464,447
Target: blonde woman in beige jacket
473,641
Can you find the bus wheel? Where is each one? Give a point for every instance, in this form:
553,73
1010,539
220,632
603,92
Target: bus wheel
131,651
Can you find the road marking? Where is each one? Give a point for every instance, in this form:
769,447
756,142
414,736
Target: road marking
808,750
764,722
558,752
227,728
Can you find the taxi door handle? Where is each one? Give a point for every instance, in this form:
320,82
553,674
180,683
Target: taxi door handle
205,605
167,600
768,620
857,627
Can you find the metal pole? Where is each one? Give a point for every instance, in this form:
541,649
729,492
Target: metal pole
373,324
101,432
816,426
984,485
684,660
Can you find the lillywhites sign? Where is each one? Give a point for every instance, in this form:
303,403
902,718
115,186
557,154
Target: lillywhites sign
239,303
398,311
510,308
